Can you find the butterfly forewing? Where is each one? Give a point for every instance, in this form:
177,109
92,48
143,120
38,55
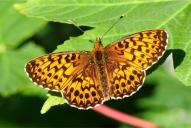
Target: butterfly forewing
55,71
140,50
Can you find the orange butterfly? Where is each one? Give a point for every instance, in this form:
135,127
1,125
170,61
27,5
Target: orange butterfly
88,78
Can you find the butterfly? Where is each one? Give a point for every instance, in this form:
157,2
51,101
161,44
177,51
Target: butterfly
88,78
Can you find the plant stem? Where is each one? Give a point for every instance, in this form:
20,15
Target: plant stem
122,117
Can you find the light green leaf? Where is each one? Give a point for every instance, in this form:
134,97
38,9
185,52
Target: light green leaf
180,43
139,15
15,27
50,102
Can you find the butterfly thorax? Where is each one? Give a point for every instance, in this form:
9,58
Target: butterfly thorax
100,62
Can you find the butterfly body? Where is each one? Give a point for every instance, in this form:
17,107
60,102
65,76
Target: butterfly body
88,78
100,60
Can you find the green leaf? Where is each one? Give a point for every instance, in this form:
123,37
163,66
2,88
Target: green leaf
15,27
180,43
167,87
169,105
174,117
139,15
50,102
13,78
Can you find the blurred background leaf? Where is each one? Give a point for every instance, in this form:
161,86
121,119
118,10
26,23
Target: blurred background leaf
169,100
163,99
14,29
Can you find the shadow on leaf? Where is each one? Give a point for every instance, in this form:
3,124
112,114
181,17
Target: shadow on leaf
178,57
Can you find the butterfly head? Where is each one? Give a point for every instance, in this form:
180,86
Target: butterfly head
98,44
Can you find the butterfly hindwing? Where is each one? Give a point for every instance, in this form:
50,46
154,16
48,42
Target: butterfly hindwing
125,80
85,90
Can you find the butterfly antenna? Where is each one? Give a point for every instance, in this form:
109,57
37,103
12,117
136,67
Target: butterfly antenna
79,28
117,21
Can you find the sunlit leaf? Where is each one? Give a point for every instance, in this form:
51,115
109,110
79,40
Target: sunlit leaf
50,102
139,15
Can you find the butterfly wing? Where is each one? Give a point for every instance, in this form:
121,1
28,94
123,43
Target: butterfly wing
140,50
125,80
53,71
84,92
69,73
128,58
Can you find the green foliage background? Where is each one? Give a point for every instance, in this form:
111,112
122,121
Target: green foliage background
31,28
